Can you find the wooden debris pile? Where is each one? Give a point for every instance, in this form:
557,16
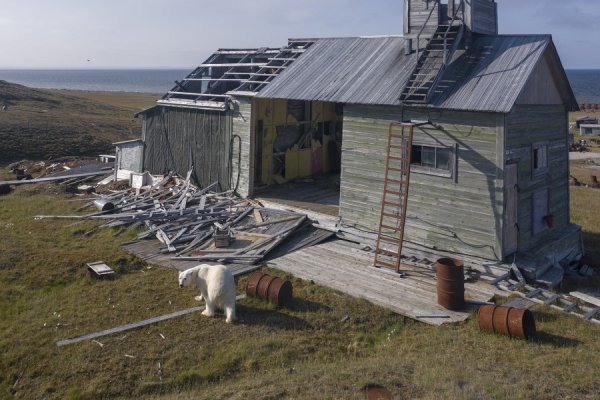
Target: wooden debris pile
194,224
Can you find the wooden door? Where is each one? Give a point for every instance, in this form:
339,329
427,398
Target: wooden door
511,193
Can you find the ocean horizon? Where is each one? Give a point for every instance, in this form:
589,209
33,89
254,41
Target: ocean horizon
585,82
102,80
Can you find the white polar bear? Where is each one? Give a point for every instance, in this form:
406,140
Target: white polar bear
216,285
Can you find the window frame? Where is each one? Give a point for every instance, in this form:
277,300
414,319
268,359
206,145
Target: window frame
537,146
444,173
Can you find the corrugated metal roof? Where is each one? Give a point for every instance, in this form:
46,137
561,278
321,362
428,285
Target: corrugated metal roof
489,76
362,70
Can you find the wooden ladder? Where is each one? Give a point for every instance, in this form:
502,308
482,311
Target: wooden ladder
395,195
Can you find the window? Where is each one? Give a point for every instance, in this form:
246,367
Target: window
432,160
539,158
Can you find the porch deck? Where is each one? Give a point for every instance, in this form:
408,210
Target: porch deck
319,194
343,266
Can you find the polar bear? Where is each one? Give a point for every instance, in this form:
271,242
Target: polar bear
216,285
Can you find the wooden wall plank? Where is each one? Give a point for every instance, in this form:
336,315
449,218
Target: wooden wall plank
528,124
461,215
242,162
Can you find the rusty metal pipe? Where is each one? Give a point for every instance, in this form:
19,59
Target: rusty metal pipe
509,321
269,288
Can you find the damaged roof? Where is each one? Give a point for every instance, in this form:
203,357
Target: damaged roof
364,70
488,76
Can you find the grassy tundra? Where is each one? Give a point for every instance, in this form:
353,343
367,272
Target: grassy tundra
324,345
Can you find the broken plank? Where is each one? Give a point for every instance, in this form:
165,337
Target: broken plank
586,297
134,325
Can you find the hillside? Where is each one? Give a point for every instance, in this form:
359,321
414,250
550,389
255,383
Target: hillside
42,124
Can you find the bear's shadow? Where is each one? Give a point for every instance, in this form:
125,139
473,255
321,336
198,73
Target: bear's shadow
272,318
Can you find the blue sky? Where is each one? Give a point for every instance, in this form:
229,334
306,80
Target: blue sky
181,33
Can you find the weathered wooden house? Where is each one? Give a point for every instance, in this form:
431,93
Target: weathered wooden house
489,169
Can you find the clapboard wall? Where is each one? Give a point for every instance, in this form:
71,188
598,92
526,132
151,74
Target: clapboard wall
416,14
462,214
175,138
527,125
481,16
242,165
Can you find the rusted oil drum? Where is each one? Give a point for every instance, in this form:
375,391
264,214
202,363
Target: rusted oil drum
263,287
270,288
252,284
450,283
280,292
509,321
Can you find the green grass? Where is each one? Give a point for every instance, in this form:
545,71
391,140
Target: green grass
42,124
302,351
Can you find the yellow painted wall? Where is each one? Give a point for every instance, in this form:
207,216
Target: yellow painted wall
298,162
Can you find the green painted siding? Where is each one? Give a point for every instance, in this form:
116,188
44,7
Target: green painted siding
526,125
461,215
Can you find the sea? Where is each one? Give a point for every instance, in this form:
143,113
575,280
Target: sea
103,80
585,82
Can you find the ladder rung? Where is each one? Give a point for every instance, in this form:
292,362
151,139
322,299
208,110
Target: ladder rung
396,158
395,181
388,252
389,239
394,193
589,315
397,216
534,293
389,227
395,146
570,307
551,299
386,264
388,203
397,169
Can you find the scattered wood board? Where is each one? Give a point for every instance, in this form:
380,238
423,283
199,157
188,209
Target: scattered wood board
134,325
100,270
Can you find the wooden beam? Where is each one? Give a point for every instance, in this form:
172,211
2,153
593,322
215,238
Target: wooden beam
233,65
134,325
55,178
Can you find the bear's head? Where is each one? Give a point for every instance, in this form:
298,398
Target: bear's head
187,277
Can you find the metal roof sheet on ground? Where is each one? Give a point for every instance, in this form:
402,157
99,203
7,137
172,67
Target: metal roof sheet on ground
359,70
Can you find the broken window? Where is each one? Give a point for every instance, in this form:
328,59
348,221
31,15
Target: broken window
539,158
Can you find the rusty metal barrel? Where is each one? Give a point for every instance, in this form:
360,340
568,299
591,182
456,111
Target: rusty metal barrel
450,283
513,322
269,288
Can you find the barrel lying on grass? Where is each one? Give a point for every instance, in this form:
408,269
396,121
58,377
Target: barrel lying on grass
508,321
270,288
